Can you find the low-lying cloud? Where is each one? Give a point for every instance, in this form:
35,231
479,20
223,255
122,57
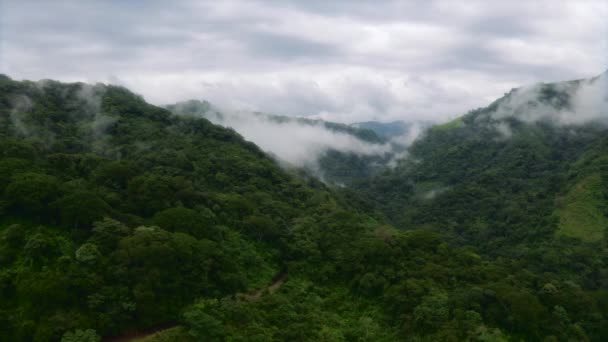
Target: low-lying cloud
296,143
88,99
566,103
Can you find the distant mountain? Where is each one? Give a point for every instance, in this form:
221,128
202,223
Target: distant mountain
207,110
338,154
392,129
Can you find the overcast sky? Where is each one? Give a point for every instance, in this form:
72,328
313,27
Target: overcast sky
345,61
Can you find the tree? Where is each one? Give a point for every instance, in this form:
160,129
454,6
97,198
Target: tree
150,193
40,247
432,312
107,233
186,221
79,335
116,175
202,324
261,227
32,192
81,208
88,253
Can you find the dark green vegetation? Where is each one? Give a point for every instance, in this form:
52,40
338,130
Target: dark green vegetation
530,193
117,216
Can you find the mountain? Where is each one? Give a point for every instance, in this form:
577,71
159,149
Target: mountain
525,180
529,148
393,129
116,214
336,153
119,218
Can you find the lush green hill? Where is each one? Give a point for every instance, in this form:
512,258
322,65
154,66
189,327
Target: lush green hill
582,210
517,180
498,176
117,216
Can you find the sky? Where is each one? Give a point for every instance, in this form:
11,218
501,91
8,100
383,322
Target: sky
344,61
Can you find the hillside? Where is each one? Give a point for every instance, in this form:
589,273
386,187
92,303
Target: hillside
512,164
117,216
524,179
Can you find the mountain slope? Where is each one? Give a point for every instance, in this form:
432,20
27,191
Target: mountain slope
510,168
582,211
117,214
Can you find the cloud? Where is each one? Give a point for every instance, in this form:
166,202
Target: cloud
299,144
340,60
567,103
19,105
83,99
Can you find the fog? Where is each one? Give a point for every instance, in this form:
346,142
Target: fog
566,103
86,97
295,142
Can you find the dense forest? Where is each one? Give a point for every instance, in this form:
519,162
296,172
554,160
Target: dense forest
119,216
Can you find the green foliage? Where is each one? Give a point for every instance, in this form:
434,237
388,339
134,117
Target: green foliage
432,312
582,211
32,192
504,189
200,225
84,166
298,311
79,335
81,208
456,123
201,318
88,253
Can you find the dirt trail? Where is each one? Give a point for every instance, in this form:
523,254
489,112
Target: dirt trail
141,333
274,285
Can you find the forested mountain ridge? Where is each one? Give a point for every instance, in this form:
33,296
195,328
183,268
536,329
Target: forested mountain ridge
118,215
527,148
525,178
89,174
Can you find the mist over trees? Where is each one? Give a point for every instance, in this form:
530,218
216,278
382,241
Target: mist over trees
337,154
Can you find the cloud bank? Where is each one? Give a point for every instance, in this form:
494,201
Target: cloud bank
294,142
566,103
344,61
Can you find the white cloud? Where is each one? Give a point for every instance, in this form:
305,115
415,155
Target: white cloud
578,103
338,60
296,143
